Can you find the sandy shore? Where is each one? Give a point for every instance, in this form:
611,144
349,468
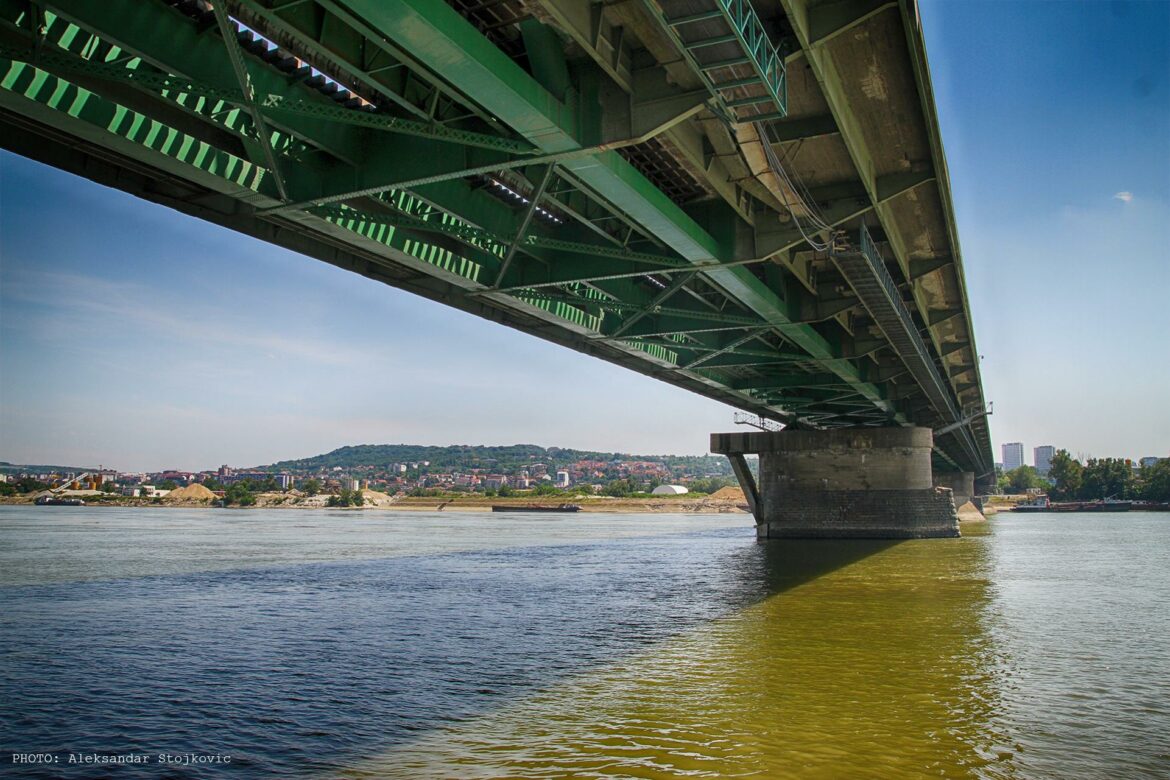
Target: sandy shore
382,501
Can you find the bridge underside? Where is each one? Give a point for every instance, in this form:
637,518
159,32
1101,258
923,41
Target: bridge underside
746,200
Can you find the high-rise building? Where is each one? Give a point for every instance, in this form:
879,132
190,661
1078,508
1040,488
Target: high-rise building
1013,455
1042,457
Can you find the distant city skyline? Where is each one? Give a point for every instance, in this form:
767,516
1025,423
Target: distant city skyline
136,337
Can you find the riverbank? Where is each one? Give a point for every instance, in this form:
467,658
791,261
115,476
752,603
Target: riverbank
715,504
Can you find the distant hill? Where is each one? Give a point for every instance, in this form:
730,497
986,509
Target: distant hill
465,456
34,468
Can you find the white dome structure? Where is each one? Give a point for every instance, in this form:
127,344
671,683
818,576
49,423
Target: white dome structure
669,490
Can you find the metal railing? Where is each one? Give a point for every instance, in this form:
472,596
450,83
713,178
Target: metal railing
765,59
869,250
756,421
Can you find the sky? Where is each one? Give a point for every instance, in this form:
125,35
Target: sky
138,338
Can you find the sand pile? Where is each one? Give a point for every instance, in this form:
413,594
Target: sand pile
377,498
194,492
728,494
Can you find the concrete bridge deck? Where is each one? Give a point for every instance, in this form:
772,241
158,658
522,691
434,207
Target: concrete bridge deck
747,200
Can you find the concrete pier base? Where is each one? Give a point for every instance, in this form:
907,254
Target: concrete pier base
852,483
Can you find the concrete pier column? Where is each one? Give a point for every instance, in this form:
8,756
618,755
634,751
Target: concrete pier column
847,483
962,485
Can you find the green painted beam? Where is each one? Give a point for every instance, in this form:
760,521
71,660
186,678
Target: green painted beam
788,381
451,47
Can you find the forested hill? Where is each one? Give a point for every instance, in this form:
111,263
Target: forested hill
38,468
499,458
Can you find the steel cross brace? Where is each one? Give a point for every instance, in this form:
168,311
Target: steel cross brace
228,31
533,205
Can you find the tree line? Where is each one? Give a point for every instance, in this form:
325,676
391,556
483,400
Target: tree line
1096,479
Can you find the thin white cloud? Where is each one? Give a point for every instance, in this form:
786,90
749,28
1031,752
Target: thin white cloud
1125,196
186,321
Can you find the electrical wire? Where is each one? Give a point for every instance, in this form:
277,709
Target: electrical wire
818,224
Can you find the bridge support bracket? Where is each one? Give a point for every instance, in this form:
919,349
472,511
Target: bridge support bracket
871,483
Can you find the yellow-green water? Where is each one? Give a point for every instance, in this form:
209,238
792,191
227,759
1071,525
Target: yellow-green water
880,665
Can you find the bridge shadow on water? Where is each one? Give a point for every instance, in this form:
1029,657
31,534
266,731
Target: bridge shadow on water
303,668
789,563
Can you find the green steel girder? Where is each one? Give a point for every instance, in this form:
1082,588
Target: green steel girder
41,96
704,360
358,75
684,318
787,381
497,243
738,354
163,83
536,246
557,276
653,305
174,44
363,56
659,325
449,46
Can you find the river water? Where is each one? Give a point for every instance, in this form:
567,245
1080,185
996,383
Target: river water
338,644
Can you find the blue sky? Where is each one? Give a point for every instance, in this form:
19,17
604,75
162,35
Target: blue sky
1056,120
138,338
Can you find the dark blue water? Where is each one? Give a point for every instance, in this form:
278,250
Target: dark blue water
294,669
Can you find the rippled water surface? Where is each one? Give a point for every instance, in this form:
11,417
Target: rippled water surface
342,644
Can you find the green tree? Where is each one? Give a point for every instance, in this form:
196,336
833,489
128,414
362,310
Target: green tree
311,486
1021,480
346,497
7,489
1156,481
711,484
1066,473
238,493
1025,478
619,488
29,485
211,483
167,484
1106,478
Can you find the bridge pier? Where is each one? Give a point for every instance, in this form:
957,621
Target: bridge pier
962,485
847,483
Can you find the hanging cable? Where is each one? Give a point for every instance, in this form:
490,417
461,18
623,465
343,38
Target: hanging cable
818,224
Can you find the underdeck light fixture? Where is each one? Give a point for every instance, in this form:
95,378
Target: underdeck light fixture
506,190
